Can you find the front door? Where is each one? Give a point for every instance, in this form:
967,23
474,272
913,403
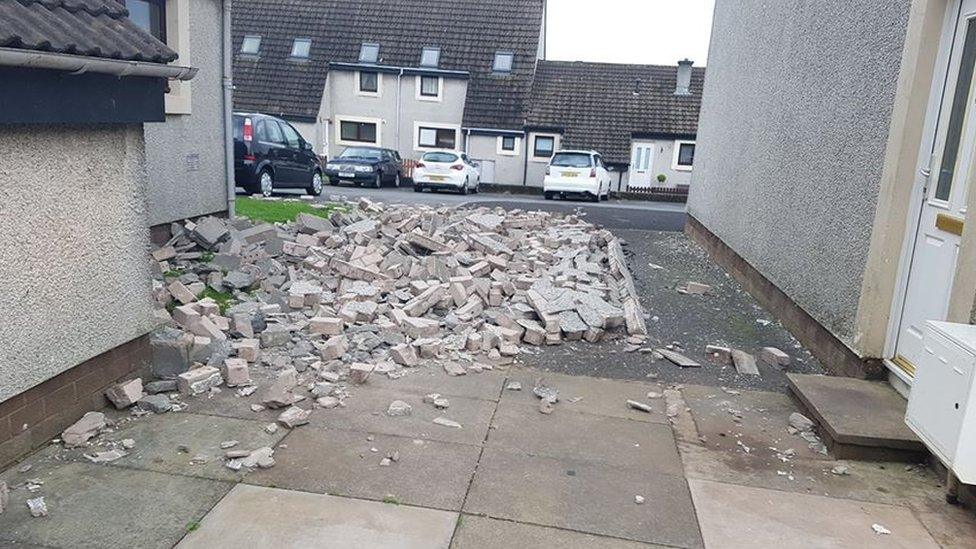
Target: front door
945,175
641,166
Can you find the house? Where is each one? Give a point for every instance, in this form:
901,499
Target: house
642,118
187,153
74,221
466,75
835,156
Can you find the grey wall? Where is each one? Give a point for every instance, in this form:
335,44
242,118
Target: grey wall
182,186
508,168
791,141
73,248
341,99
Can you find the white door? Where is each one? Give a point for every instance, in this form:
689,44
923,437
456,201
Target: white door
641,166
945,175
487,170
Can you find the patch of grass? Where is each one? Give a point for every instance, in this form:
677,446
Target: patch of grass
280,211
391,500
207,257
173,273
224,299
191,526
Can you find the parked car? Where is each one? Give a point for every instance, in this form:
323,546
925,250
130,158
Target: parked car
270,154
370,166
444,169
576,173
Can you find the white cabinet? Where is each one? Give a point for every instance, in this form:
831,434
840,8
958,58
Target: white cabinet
942,404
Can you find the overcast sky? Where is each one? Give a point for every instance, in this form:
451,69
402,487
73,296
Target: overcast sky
658,32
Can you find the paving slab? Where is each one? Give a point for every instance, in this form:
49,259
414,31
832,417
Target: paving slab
226,403
431,378
365,410
428,473
484,533
167,443
584,496
734,516
607,397
568,434
105,507
253,516
754,419
855,411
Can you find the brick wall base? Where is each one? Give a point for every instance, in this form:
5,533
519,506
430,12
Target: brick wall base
32,418
832,353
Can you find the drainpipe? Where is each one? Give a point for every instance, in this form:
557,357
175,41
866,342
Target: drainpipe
228,84
525,160
399,85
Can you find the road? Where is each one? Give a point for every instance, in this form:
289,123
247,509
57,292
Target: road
614,214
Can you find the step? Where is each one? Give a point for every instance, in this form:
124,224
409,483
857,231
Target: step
858,419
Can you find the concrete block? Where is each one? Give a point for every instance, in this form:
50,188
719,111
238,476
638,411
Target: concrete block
125,394
198,380
236,372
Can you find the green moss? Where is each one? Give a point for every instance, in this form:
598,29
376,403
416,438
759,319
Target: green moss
280,211
391,500
173,273
207,257
192,526
224,299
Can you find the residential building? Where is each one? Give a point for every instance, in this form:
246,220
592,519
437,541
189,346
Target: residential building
186,154
835,155
466,75
74,221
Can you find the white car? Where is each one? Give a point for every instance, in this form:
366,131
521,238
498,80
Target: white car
577,173
444,169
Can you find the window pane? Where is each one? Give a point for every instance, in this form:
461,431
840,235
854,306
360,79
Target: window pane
544,146
291,136
368,82
572,160
440,157
272,132
686,154
428,137
960,102
251,44
301,47
445,139
369,53
149,15
367,132
430,57
429,86
647,158
503,62
508,143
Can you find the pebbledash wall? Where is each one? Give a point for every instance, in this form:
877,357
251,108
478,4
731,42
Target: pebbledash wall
76,281
795,117
185,154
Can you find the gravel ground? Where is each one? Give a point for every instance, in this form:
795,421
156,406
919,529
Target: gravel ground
727,316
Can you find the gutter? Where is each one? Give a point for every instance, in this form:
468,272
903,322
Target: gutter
77,64
228,85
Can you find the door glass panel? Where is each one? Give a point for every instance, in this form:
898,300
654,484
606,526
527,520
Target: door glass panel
960,102
637,157
647,157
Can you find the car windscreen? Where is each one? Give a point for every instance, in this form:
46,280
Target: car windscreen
572,160
361,153
443,157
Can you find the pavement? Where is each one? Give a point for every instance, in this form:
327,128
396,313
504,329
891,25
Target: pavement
711,465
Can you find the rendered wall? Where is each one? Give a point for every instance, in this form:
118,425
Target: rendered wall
791,140
508,168
74,233
185,155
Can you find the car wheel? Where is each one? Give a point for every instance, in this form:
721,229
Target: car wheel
378,182
396,181
464,188
266,183
548,195
418,189
315,189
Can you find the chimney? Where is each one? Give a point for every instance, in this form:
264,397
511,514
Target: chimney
684,77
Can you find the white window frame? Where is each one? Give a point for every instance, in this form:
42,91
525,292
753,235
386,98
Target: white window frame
440,89
531,150
503,152
339,119
379,85
677,151
435,126
295,43
178,99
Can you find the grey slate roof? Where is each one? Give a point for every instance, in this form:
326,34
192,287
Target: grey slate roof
595,106
468,33
94,28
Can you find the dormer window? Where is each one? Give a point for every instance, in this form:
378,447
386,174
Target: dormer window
430,58
369,53
301,47
503,62
251,44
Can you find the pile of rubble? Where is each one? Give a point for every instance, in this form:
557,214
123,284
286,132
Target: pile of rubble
308,308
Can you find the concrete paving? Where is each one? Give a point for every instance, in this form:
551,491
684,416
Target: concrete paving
252,516
484,533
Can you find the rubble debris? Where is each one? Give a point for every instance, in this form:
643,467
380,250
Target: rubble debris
513,386
125,394
262,458
695,288
4,497
236,372
443,421
723,354
744,363
677,358
774,356
83,430
638,499
840,470
157,403
399,408
293,417
105,457
198,380
37,507
160,386
880,530
545,393
545,407
801,422
640,406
